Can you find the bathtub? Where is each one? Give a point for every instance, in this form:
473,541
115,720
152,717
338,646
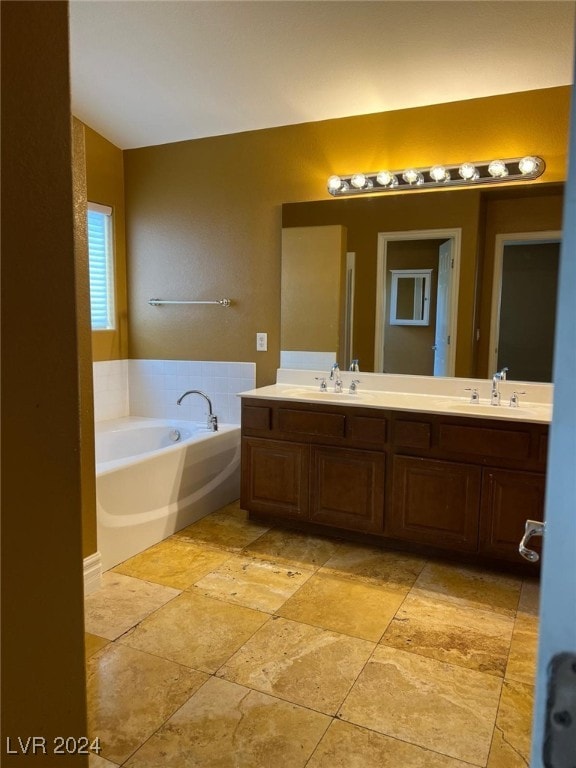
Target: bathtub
156,476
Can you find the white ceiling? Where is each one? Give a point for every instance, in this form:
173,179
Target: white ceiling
158,71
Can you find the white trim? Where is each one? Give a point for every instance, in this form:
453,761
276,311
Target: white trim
511,238
422,234
106,210
92,573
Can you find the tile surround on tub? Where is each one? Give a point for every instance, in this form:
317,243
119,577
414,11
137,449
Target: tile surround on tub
151,388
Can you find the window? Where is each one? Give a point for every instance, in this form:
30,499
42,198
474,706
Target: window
101,264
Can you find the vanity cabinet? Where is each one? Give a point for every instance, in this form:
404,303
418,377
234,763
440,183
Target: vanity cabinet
509,498
347,488
435,502
431,482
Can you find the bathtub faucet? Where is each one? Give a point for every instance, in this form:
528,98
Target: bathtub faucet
212,418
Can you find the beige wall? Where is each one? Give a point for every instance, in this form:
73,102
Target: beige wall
204,216
43,685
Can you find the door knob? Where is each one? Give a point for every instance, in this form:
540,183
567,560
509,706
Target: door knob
532,528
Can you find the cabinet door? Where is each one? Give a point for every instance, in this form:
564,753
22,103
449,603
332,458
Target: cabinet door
275,477
509,498
347,488
435,502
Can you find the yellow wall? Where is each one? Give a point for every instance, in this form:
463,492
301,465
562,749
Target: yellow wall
43,684
204,216
105,185
312,272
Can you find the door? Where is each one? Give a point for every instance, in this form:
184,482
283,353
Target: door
387,352
558,581
442,338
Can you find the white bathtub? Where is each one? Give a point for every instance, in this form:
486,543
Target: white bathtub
156,476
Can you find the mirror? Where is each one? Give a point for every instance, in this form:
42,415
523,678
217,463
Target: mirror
478,216
410,297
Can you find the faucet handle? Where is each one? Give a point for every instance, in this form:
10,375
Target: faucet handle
354,386
474,397
322,380
515,399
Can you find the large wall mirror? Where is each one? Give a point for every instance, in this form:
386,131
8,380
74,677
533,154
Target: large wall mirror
345,262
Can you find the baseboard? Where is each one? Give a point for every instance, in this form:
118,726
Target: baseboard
92,573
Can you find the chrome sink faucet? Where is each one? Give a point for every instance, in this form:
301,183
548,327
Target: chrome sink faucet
335,377
212,418
496,379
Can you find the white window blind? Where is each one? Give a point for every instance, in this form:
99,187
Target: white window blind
101,263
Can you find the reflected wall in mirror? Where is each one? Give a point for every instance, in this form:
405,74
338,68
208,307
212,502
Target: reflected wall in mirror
524,304
479,215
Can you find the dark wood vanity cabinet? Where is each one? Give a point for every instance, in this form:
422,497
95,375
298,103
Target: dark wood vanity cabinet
435,502
509,498
347,488
444,483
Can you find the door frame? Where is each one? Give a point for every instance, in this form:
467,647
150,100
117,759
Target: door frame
503,239
454,234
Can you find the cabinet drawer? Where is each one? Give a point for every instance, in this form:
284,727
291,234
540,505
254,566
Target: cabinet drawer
367,429
311,423
256,417
412,434
484,441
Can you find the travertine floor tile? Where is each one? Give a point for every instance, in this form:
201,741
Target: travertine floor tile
375,566
512,735
469,586
343,605
228,726
458,634
522,658
293,548
196,631
299,663
131,694
95,761
228,529
252,582
529,602
438,706
348,746
93,644
174,562
122,602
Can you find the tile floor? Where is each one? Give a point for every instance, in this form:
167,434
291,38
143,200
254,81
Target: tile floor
235,645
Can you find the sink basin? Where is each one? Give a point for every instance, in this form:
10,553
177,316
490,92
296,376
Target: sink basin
530,410
313,393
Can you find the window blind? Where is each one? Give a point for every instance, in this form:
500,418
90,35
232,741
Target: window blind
101,266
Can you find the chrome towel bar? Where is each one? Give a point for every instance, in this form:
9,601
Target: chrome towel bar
222,302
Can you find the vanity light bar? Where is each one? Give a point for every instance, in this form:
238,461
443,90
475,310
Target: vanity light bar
465,174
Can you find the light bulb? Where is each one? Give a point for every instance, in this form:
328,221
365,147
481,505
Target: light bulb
528,165
358,181
412,176
497,169
439,173
468,171
386,179
334,184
